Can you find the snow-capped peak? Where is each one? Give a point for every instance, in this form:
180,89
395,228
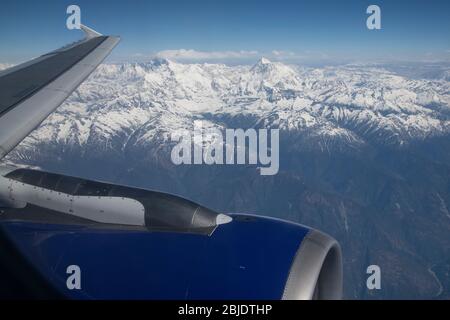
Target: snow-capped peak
263,65
264,61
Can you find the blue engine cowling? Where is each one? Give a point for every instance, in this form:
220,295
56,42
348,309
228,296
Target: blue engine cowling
249,257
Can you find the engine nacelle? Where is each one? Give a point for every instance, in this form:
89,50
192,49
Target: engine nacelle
134,243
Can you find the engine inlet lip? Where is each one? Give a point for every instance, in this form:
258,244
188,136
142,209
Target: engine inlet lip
316,271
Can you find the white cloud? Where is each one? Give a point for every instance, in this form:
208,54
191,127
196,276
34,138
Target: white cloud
194,55
283,54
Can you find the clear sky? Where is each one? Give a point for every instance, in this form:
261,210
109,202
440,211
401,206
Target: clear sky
232,30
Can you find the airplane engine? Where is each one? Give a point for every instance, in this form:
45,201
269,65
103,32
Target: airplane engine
131,243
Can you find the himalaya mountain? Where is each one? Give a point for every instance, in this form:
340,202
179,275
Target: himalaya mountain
364,153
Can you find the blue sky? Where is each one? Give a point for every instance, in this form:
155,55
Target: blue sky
234,31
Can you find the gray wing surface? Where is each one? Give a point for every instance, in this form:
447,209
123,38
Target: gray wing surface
31,91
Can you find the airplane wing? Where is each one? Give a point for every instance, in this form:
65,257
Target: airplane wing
31,91
160,245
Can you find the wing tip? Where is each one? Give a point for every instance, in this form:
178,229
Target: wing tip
89,33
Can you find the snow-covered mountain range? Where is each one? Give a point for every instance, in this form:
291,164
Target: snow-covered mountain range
352,104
